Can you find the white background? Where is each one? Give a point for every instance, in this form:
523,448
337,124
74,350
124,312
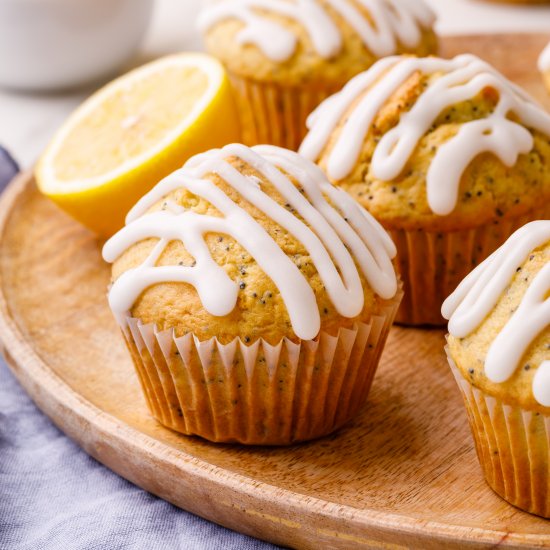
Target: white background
27,121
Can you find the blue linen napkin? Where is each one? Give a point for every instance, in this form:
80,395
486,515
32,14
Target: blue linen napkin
53,496
8,168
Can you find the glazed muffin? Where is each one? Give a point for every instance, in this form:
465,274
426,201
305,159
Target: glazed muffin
448,155
544,65
255,297
499,350
284,57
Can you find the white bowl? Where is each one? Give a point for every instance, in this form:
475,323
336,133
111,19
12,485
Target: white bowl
56,44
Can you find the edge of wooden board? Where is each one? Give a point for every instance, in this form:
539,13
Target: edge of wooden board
230,499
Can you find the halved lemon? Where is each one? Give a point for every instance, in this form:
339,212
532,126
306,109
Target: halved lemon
130,134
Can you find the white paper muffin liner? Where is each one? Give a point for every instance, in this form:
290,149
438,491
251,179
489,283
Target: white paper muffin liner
260,393
512,445
274,114
432,264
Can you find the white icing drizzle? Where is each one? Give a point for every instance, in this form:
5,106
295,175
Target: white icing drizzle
544,59
332,233
541,384
391,22
480,291
463,78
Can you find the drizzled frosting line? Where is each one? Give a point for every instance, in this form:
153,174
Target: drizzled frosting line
390,22
512,342
464,77
479,293
544,59
329,233
541,384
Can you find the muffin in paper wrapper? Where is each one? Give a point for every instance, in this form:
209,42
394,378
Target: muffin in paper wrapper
512,445
259,393
275,114
432,264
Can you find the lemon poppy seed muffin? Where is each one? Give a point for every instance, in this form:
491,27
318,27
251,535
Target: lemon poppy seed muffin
448,155
254,296
499,350
285,56
544,65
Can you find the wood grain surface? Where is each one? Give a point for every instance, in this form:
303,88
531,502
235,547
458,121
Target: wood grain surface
404,474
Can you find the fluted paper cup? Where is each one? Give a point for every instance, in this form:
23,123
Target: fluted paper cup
257,394
275,114
432,264
512,445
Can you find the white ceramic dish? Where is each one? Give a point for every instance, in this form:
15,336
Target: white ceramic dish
57,44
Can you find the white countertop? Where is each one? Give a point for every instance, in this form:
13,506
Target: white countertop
28,120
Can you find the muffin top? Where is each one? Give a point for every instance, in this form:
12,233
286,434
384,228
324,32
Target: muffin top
314,42
544,59
250,243
499,320
434,143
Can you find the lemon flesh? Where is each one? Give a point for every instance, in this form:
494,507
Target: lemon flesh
136,130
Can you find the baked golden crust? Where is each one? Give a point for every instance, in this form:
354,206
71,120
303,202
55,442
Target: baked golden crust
306,68
489,191
260,311
469,353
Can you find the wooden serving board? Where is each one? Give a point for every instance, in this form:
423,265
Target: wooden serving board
403,474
